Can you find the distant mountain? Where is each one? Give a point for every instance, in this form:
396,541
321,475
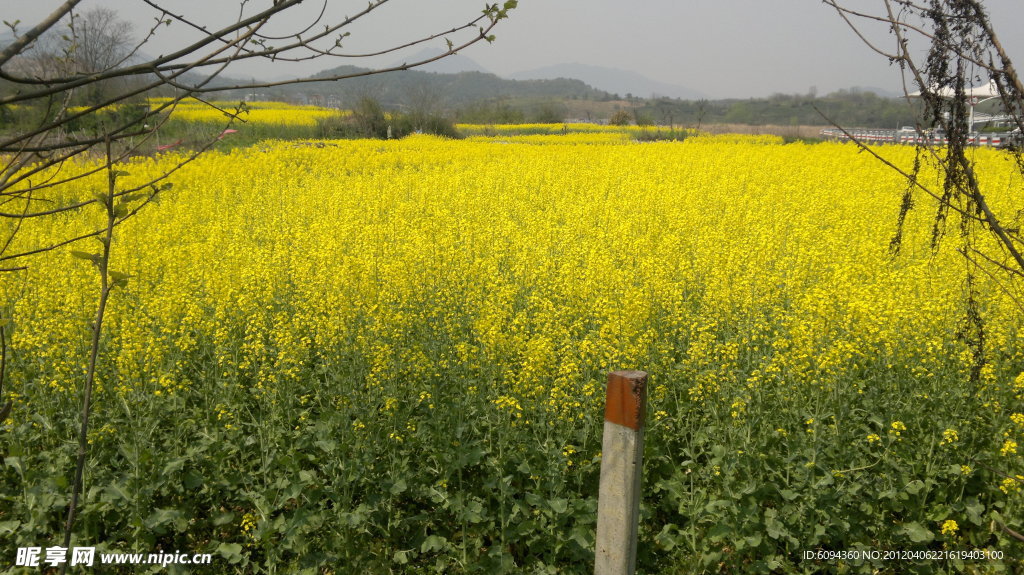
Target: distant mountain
612,80
450,90
448,65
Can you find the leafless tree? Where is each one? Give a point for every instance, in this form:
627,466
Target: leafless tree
96,49
78,65
944,48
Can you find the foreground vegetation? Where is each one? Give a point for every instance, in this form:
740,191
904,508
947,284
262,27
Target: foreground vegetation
388,356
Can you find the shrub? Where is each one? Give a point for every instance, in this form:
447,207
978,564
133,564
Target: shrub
620,118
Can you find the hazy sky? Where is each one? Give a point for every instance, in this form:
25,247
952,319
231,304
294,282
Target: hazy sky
722,48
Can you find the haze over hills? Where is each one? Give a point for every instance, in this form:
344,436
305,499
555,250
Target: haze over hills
448,65
459,87
453,89
571,80
611,80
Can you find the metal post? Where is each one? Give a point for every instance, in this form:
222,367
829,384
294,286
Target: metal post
622,449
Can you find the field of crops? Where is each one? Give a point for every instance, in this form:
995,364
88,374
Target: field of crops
389,357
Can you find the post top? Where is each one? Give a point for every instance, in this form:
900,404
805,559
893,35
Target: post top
626,400
629,374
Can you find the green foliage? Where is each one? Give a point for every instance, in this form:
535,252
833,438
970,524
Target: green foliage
295,478
490,112
369,120
620,118
847,107
424,123
548,113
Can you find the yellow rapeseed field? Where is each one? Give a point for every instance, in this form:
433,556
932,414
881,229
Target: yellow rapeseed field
445,312
256,113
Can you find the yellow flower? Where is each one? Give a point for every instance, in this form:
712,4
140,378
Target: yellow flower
248,522
873,438
1009,448
949,436
949,527
1011,484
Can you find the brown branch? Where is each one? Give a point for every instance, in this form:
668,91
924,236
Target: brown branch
22,42
977,265
913,181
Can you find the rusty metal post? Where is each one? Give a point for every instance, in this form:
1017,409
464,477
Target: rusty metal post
622,449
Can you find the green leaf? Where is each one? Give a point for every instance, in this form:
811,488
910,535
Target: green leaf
559,505
116,492
721,532
94,258
918,533
433,543
192,480
974,510
775,528
914,487
470,457
162,517
230,551
129,198
327,446
398,487
666,539
223,519
473,512
534,500
174,465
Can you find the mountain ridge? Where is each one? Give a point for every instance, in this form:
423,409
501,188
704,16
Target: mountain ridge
612,80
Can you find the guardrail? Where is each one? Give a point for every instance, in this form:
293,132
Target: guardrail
988,139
